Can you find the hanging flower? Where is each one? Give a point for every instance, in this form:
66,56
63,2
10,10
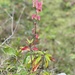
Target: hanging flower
36,17
36,36
35,2
37,5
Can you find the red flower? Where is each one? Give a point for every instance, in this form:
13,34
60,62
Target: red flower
36,36
35,48
36,17
25,48
37,5
34,2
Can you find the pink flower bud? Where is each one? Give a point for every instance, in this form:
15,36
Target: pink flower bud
35,2
37,36
33,16
36,17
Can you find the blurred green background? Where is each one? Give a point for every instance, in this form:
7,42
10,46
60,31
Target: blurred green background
56,29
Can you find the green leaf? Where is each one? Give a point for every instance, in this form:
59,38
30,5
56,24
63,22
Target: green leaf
29,41
39,52
46,63
38,59
30,59
25,59
47,57
9,51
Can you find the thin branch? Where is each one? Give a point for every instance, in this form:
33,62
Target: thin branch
19,18
12,25
8,13
6,40
12,18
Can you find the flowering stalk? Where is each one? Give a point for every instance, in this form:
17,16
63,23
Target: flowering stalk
31,54
38,6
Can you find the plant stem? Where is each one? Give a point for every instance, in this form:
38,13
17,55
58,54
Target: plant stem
30,54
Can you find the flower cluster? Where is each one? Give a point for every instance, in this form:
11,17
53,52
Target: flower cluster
38,56
36,17
38,6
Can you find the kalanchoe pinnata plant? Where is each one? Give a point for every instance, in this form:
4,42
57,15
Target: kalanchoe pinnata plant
31,58
39,59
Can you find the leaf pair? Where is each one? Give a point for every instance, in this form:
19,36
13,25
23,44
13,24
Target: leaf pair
36,63
47,59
